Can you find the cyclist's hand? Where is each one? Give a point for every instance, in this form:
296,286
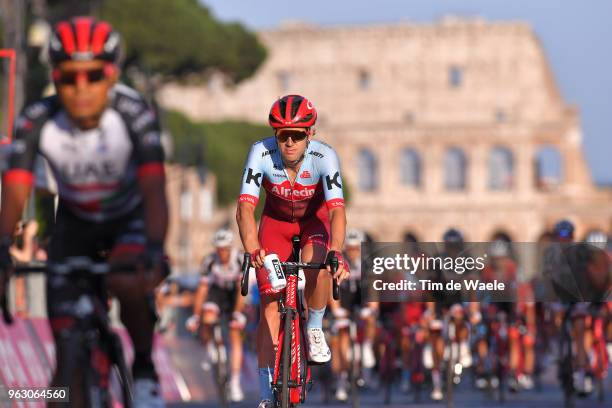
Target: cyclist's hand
343,271
238,321
192,323
257,257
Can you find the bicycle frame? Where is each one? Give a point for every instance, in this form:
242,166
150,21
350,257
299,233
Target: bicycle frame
289,385
101,345
291,309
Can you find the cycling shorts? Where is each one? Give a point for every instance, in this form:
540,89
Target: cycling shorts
72,237
225,299
275,237
350,296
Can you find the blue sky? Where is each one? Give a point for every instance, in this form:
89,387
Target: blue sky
576,36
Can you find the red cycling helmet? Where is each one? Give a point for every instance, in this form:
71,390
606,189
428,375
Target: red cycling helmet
84,39
292,111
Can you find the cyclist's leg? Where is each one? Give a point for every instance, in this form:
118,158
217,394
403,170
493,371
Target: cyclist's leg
314,234
275,237
135,295
62,295
210,316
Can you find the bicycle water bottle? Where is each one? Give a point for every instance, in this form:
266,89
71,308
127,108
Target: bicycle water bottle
275,271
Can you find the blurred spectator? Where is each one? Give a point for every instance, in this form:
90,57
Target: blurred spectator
25,249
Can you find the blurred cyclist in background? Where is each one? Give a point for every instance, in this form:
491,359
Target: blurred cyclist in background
218,298
350,308
102,142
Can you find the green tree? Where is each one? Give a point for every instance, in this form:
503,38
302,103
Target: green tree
221,147
180,37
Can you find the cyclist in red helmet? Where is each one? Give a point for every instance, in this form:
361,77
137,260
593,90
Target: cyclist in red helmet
304,197
102,142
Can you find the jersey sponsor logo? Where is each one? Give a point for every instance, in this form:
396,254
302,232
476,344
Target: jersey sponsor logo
253,177
278,175
35,110
277,167
317,154
24,123
130,106
305,174
151,139
248,199
268,152
336,202
79,172
333,181
286,191
143,120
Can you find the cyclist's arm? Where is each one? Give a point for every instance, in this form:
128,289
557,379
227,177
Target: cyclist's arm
145,132
337,220
153,189
245,217
18,179
239,307
252,178
334,198
14,197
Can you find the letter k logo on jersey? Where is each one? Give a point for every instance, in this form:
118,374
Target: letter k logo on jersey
253,177
334,180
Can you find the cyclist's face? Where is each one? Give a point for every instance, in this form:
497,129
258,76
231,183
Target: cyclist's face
224,254
292,143
353,251
83,88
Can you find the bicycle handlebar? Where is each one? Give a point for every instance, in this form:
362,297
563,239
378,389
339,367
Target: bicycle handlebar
68,266
333,262
75,264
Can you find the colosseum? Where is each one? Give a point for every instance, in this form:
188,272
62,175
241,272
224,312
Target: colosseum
455,123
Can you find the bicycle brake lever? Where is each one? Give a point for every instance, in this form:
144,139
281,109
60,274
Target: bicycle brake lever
332,261
6,314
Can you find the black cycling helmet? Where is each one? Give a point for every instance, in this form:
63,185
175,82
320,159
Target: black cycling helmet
564,229
452,236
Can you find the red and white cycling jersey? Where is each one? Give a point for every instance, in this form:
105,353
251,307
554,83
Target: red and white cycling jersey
318,181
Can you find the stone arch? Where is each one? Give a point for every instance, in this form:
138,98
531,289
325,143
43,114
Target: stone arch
367,170
501,168
455,169
501,234
410,236
548,168
410,167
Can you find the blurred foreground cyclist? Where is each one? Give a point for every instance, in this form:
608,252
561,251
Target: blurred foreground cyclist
102,143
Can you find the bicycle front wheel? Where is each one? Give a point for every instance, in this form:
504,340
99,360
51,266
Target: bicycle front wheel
285,400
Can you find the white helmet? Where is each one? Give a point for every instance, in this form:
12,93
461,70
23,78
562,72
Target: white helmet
223,238
354,237
499,248
597,238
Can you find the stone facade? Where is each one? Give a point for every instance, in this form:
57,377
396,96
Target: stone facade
436,125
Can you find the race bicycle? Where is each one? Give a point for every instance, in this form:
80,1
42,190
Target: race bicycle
291,367
94,347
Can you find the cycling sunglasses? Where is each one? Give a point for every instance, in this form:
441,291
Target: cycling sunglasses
295,135
71,77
